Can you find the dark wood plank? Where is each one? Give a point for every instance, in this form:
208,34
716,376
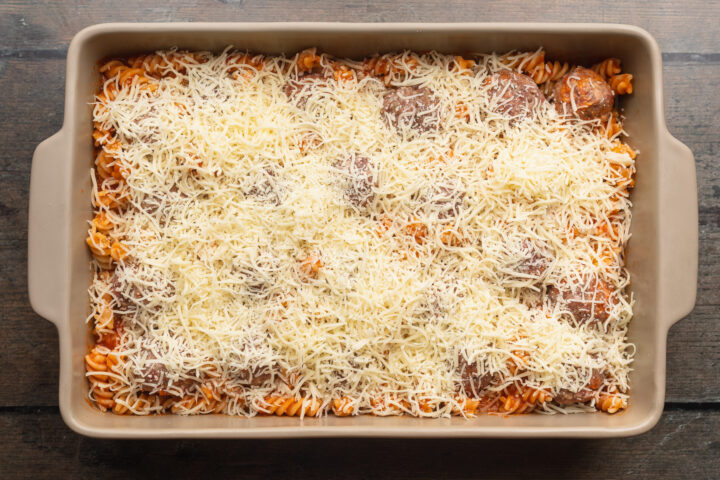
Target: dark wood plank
692,109
684,444
48,25
693,357
33,93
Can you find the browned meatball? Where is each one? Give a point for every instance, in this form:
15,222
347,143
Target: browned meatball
586,303
443,200
534,262
266,187
150,204
133,287
360,180
584,395
411,107
156,376
584,94
517,95
254,377
473,384
299,89
151,131
566,397
259,274
438,298
159,201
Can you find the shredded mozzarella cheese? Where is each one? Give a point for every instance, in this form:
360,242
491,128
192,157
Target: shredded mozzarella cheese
226,202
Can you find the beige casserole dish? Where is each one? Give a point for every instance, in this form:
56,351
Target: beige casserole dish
662,255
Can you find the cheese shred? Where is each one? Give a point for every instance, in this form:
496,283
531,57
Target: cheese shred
276,248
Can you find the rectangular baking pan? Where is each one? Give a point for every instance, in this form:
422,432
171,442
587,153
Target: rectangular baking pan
662,255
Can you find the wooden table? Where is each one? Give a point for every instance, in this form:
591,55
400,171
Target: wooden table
35,442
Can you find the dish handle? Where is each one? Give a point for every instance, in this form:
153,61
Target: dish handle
48,228
678,227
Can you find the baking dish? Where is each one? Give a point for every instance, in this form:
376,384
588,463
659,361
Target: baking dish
662,254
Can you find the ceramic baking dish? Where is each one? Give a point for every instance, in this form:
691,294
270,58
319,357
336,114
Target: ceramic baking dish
662,255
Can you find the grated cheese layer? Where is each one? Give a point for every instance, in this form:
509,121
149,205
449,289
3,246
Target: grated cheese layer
252,266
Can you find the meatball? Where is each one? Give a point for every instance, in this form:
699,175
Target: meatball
257,274
445,201
254,377
147,123
473,383
133,286
591,301
584,94
566,397
299,89
156,376
439,298
411,107
517,95
584,395
153,202
266,187
360,180
534,261
150,204
247,366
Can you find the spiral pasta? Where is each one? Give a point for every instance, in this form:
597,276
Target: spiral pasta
621,84
466,406
291,406
104,320
520,399
164,65
100,247
110,192
536,396
102,372
102,135
343,73
136,176
343,407
102,394
610,403
533,64
208,400
390,67
608,67
244,65
132,404
307,60
614,127
514,404
102,222
524,61
96,365
118,251
464,65
387,405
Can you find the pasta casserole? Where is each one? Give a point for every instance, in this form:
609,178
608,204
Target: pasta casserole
410,233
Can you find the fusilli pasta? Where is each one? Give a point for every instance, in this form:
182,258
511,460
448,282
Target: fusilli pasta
134,370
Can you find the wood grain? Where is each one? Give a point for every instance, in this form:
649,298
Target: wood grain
684,444
46,27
